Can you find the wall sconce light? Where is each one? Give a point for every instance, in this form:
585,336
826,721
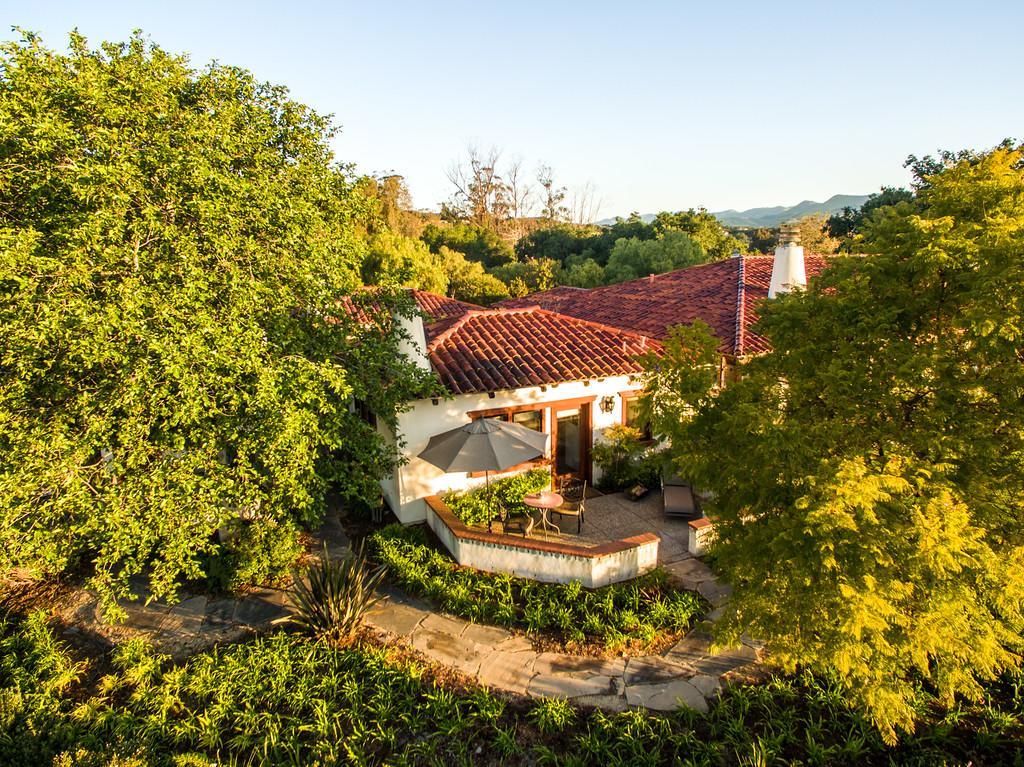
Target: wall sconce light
607,404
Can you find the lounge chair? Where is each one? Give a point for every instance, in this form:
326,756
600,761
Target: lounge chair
679,500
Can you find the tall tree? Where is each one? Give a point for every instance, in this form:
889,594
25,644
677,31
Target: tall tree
173,248
552,199
482,195
849,221
632,258
815,235
702,227
868,473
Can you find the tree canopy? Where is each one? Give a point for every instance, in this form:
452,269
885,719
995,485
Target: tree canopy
632,258
173,248
868,473
849,221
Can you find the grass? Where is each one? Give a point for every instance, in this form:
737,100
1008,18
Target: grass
284,700
636,614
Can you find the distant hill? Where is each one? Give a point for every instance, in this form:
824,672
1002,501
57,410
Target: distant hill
772,217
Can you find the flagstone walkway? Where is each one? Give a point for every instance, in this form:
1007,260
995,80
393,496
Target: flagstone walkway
686,674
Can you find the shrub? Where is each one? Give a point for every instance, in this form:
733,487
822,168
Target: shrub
618,615
281,700
337,594
255,553
626,460
552,714
480,505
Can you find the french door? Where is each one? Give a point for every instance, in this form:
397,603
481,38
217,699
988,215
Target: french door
572,439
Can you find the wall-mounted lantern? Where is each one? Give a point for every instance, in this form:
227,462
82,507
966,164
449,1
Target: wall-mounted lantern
607,404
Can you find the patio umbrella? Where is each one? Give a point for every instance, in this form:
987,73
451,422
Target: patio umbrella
485,444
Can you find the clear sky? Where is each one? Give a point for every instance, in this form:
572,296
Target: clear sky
661,105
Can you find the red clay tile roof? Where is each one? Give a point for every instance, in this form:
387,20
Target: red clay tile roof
494,349
433,306
724,294
440,307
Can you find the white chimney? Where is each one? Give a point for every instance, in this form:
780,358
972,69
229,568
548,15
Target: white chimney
413,339
788,270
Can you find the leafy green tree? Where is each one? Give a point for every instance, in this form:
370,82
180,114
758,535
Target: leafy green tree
849,221
477,243
815,235
706,230
584,273
467,280
173,248
559,243
529,276
398,260
634,258
390,206
763,239
868,474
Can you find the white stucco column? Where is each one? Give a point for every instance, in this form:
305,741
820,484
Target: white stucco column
413,343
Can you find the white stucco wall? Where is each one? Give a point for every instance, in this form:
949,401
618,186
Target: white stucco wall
418,479
549,567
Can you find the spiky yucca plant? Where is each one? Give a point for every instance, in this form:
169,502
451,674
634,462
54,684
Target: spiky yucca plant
335,594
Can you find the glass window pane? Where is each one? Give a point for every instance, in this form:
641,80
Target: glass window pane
567,451
531,419
631,410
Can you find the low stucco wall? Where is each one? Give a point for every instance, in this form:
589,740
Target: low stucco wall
701,532
593,566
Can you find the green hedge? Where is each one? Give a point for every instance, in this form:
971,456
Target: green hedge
478,506
283,700
618,615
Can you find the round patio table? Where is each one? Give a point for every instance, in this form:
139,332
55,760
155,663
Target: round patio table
544,501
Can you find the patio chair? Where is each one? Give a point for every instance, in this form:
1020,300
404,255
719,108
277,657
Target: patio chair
523,523
575,494
679,500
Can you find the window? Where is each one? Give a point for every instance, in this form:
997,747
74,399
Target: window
631,415
362,409
531,419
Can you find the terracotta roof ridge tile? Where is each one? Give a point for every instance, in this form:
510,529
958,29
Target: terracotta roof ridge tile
741,307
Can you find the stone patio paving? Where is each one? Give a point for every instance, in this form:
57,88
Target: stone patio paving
613,516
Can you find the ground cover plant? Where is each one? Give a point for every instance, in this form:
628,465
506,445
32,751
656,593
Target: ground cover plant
480,505
636,614
283,699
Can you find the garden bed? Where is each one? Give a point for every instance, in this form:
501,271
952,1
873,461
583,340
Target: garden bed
283,699
641,616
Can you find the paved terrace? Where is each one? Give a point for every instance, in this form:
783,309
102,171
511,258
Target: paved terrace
613,517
